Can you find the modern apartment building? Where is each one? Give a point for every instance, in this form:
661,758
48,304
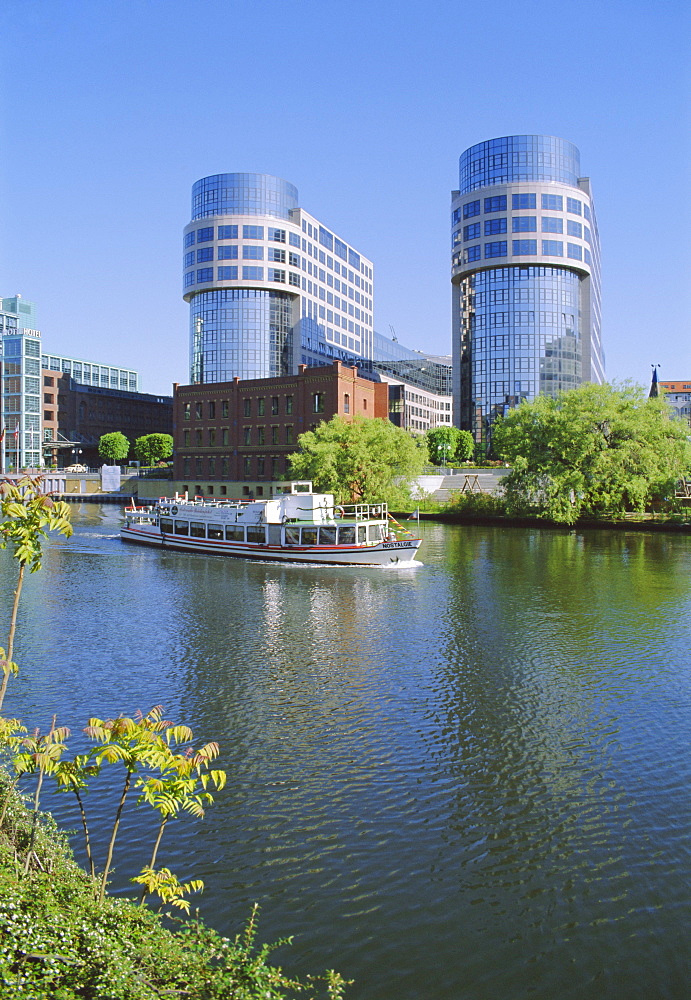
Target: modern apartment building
526,277
269,286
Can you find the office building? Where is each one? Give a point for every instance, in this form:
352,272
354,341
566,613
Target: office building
245,430
525,277
21,385
269,286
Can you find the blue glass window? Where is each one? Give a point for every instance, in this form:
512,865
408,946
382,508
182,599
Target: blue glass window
497,249
253,232
228,253
588,258
205,274
252,253
553,202
276,274
553,248
524,224
325,238
524,247
277,235
586,212
471,232
205,253
520,201
574,229
277,254
294,279
552,225
473,253
471,209
494,226
227,273
293,259
227,232
574,251
253,274
340,249
496,203
573,205
587,234
189,279
205,234
294,240
189,239
354,259
189,259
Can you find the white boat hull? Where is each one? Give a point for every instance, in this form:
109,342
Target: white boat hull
394,553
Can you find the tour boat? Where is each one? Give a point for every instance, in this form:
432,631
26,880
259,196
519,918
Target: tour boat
296,525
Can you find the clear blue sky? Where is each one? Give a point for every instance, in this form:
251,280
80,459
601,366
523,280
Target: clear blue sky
111,110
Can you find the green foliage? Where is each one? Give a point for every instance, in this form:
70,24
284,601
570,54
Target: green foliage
477,504
368,460
449,445
166,886
57,941
28,516
598,450
113,447
152,448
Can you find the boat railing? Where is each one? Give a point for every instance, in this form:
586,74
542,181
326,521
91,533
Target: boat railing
362,511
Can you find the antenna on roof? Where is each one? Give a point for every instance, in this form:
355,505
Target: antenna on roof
393,333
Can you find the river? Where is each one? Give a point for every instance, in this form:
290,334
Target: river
465,780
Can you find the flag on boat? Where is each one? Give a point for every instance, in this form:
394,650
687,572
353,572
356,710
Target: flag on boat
415,515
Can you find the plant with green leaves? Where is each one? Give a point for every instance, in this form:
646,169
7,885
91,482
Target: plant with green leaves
29,515
165,885
598,450
152,448
366,460
40,754
449,445
135,743
114,447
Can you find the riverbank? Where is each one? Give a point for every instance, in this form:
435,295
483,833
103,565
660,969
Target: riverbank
631,522
58,940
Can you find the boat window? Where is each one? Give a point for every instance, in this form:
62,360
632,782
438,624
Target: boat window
327,536
256,533
167,525
346,534
292,536
235,534
309,536
214,531
197,529
374,532
361,533
182,527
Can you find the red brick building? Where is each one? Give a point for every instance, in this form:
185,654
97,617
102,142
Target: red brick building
244,431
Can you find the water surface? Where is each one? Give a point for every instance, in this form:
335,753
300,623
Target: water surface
465,780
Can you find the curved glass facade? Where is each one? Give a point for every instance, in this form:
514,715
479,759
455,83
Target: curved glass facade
243,194
526,278
244,330
519,158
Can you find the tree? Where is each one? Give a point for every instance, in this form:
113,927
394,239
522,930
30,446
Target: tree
368,460
595,450
114,447
449,444
151,448
29,516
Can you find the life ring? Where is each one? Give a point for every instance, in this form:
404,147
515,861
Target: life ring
173,511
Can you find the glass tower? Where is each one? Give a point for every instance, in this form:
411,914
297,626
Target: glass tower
269,287
525,277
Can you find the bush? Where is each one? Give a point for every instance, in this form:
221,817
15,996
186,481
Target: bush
477,504
57,941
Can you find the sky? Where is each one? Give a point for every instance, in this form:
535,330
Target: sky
111,109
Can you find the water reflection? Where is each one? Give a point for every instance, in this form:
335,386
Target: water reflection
482,760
